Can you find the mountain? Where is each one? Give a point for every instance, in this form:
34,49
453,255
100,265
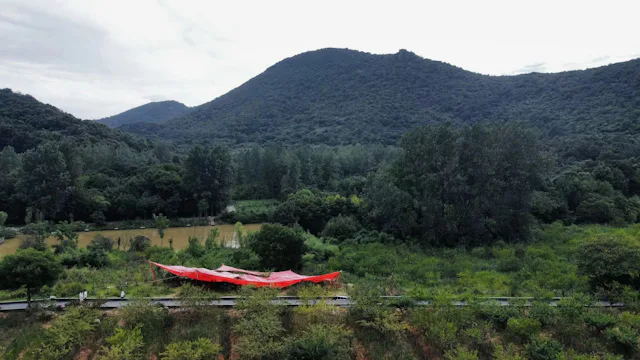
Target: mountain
340,96
25,123
149,113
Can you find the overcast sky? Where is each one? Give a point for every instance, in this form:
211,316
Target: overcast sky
98,58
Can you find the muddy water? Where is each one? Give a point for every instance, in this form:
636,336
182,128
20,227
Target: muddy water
180,236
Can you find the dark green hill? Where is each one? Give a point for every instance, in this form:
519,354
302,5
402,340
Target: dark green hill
26,123
339,96
149,113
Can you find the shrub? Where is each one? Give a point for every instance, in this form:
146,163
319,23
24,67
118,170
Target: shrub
279,247
151,319
341,227
461,353
124,344
320,342
101,242
523,328
140,243
623,338
195,248
64,335
608,259
543,349
201,349
260,329
543,312
6,233
599,320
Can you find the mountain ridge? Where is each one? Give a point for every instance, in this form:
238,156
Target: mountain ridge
337,96
26,122
152,112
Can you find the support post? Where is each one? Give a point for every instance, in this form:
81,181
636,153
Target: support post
155,280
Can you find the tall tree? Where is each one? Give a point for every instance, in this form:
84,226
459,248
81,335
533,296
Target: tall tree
30,268
44,179
208,176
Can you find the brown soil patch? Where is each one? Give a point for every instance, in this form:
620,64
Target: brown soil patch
83,354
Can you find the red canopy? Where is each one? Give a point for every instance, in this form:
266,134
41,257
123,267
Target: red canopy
232,275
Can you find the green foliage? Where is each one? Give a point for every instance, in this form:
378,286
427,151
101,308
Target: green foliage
140,244
124,344
524,328
452,190
101,242
599,320
212,240
610,258
259,330
279,247
542,348
320,342
195,248
161,222
152,320
623,338
461,353
64,336
201,349
341,227
30,268
207,172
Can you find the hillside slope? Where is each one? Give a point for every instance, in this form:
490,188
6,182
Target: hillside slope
339,96
25,123
148,113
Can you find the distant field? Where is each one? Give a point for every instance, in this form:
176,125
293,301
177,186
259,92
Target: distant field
180,236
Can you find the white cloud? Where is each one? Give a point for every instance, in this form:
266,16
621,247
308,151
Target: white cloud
98,58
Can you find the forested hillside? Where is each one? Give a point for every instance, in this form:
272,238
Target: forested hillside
339,96
26,123
148,113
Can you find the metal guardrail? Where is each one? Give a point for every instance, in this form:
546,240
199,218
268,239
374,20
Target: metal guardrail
231,301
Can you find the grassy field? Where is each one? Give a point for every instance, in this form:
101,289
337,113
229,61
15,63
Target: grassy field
180,236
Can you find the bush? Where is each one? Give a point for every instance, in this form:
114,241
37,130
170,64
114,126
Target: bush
320,342
152,320
461,353
140,244
201,349
6,233
124,344
543,312
543,349
94,257
623,338
599,320
341,227
608,259
101,242
195,248
523,328
279,247
64,335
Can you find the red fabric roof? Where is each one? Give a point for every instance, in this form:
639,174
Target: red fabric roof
232,275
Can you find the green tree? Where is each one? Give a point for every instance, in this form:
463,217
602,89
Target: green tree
29,268
212,240
161,223
341,227
208,175
610,258
44,179
279,247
